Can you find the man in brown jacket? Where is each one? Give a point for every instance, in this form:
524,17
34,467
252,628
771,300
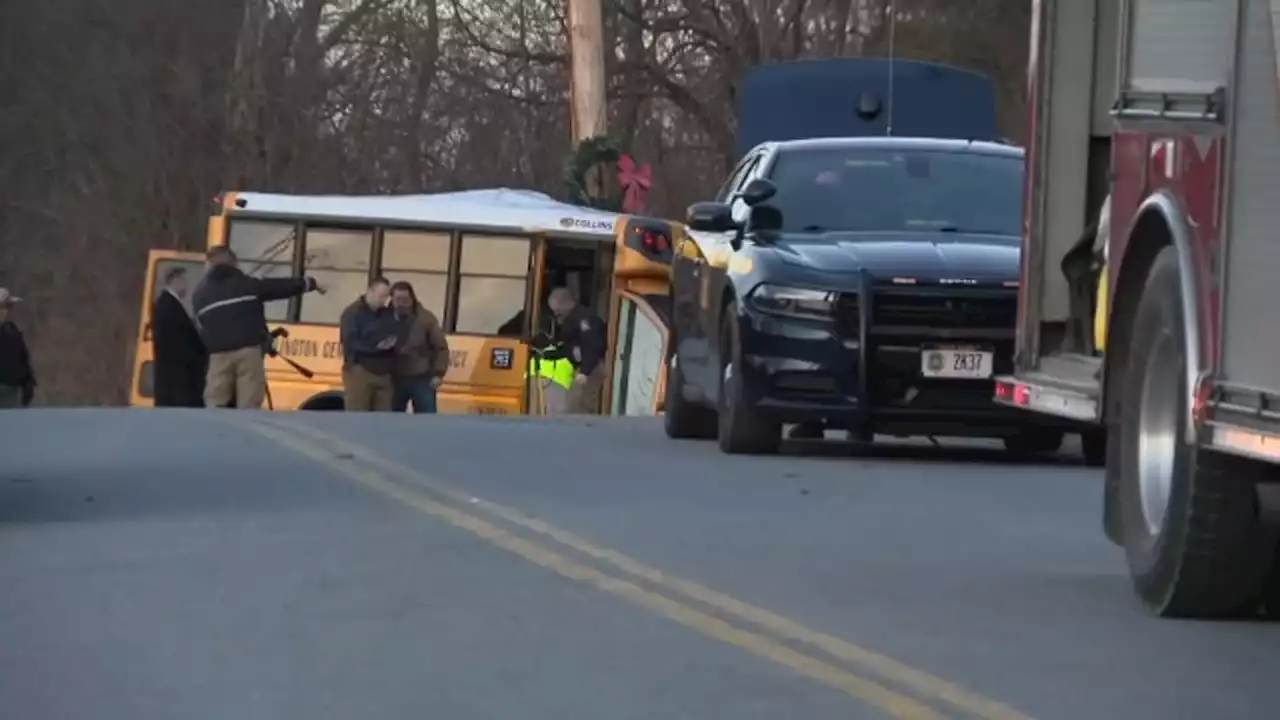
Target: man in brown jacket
423,357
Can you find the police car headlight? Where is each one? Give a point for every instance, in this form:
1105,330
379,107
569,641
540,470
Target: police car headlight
794,302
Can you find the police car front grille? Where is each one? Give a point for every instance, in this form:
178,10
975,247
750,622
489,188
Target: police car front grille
990,310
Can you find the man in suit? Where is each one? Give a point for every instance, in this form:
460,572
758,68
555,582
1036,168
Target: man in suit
179,354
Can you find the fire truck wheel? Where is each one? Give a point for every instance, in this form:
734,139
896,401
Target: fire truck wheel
1189,516
682,419
742,431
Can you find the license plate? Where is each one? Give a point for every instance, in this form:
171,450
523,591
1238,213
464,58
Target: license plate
965,363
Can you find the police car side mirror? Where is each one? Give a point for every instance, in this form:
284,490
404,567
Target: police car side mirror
758,191
710,217
764,218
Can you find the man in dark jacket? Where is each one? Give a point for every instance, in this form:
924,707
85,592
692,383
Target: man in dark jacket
422,359
370,333
233,326
17,381
180,360
581,335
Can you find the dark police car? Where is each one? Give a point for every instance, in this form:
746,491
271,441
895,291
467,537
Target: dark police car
866,283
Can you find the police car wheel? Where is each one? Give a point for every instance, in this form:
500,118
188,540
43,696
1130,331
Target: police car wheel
742,431
1035,441
683,420
1093,446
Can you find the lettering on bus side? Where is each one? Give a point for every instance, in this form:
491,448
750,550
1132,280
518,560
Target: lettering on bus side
457,358
486,410
306,348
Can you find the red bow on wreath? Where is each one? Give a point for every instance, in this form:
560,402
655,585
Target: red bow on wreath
635,181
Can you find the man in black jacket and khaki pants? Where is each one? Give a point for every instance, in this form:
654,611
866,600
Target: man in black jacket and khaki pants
233,325
370,333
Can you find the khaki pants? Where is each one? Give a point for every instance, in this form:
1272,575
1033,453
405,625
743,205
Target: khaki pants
241,374
555,398
364,391
584,399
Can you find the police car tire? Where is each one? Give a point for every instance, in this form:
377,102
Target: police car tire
1093,446
1210,557
683,420
1035,441
741,431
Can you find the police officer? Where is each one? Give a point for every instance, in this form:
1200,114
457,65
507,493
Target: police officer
554,372
581,335
229,309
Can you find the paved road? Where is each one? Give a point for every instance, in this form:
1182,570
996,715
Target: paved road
177,564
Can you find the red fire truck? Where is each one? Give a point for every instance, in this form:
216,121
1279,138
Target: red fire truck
1155,135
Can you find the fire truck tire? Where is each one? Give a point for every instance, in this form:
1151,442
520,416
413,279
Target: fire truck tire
1189,526
682,419
741,431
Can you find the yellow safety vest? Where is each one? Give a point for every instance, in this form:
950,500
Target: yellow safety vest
560,371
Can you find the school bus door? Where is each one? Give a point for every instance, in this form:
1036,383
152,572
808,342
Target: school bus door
533,401
159,263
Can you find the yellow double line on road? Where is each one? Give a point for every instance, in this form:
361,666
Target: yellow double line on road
427,495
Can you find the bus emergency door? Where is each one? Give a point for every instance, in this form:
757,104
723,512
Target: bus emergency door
637,358
159,264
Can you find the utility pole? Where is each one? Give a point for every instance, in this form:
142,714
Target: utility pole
587,82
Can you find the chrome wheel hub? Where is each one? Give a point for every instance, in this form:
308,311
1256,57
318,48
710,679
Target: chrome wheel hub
1158,424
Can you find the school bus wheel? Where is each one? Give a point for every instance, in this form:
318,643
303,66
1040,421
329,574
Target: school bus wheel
324,401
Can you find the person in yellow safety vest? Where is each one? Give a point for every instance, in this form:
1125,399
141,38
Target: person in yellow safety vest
555,375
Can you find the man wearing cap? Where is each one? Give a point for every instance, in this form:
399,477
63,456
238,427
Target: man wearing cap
17,380
581,335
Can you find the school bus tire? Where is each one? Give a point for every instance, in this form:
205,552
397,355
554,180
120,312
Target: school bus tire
742,430
684,420
1194,542
329,401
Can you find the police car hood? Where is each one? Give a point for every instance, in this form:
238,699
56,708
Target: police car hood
930,255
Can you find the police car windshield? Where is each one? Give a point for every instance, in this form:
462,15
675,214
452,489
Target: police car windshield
898,190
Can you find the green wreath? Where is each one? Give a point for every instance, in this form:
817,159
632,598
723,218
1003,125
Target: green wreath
594,151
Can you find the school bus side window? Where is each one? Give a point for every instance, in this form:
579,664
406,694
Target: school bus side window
339,260
493,276
265,249
421,259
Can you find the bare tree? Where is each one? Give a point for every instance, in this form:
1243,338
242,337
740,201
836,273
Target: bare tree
122,121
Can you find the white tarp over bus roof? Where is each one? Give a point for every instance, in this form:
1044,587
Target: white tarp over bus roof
519,210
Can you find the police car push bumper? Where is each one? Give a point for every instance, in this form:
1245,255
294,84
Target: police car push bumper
808,355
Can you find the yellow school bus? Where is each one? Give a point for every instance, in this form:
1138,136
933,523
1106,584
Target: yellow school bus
483,261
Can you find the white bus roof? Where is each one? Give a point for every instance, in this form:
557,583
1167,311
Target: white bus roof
516,210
